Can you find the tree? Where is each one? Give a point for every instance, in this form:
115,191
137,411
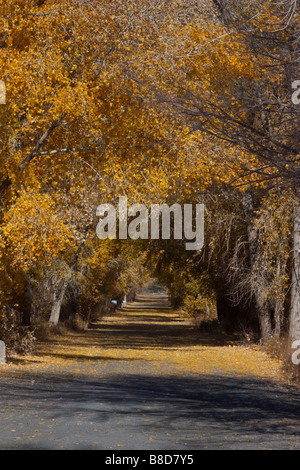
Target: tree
64,133
162,102
211,83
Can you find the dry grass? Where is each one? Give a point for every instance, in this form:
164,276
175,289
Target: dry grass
281,350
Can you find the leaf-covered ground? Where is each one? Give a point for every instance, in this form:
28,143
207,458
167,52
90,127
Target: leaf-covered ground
143,378
148,330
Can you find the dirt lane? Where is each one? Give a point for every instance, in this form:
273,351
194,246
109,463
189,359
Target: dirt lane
144,379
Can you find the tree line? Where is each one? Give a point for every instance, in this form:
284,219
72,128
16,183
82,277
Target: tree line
161,102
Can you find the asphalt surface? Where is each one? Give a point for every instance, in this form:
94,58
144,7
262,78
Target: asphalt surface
129,406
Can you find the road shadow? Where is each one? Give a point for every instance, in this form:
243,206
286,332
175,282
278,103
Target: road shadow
148,336
133,327
195,411
149,322
131,401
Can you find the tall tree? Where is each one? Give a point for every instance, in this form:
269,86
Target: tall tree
231,79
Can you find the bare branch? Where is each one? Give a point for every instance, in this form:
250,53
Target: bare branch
41,142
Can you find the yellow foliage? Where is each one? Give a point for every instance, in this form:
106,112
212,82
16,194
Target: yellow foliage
33,232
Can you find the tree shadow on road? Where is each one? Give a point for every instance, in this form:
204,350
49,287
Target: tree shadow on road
195,411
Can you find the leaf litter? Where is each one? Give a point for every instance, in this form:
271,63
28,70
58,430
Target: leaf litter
145,336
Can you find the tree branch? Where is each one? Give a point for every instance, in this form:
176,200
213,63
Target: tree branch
41,141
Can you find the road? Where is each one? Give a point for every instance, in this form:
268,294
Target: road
126,384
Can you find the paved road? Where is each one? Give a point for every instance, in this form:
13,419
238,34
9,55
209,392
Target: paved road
130,406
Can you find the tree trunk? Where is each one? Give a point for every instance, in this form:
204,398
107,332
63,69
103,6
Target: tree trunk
264,318
252,231
58,298
207,310
261,303
279,309
59,292
26,316
294,327
278,313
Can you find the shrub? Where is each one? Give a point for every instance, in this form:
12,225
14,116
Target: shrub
41,328
76,322
282,350
18,339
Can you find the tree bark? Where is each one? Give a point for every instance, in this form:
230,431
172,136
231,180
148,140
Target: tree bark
58,298
224,11
252,232
60,290
26,317
294,326
278,310
41,142
264,318
278,313
263,313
